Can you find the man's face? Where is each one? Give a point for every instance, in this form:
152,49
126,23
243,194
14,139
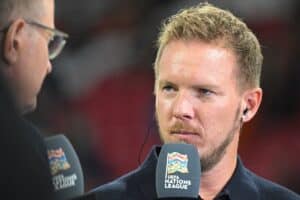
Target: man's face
32,64
197,99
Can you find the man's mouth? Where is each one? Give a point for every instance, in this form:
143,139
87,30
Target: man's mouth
183,132
187,136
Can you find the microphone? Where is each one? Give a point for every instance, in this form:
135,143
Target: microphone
178,172
66,171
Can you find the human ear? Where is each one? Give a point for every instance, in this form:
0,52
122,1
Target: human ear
251,102
13,40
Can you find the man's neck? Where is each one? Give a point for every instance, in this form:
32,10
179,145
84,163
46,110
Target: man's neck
214,180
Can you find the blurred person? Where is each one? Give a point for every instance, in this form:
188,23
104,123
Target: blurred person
207,85
28,41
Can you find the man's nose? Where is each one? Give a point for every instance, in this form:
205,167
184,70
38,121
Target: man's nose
183,108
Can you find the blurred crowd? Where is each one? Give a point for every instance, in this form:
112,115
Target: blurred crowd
100,94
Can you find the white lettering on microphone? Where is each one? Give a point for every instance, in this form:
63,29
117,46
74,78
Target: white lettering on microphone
174,182
61,182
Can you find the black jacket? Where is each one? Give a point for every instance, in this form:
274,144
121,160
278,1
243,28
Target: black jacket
140,184
24,167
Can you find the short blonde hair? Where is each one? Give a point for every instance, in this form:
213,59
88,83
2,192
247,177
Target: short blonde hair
208,23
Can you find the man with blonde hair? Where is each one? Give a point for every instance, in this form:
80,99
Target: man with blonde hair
207,84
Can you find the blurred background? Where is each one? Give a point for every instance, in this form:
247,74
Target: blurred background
100,92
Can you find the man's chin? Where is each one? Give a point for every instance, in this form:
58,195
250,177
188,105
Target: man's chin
182,139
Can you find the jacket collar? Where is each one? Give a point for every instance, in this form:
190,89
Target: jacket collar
241,185
145,178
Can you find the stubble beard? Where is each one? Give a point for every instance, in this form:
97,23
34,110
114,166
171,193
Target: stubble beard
212,158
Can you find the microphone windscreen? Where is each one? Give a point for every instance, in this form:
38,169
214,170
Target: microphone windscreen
178,172
66,171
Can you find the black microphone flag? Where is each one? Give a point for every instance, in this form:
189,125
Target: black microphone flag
178,172
66,171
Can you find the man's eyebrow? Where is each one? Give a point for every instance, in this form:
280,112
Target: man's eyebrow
208,86
165,82
162,81
193,86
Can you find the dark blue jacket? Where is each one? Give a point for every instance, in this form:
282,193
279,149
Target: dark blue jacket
140,185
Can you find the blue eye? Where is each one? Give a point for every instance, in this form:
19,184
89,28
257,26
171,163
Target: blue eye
168,88
204,92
